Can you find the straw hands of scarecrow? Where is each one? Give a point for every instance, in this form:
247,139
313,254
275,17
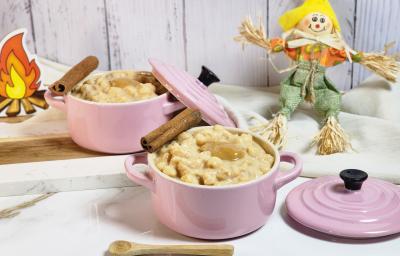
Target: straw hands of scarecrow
249,34
382,64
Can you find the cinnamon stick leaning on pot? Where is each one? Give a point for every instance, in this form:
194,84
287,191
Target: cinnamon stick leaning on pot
185,120
74,75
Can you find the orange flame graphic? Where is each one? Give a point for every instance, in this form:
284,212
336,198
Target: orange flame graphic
19,77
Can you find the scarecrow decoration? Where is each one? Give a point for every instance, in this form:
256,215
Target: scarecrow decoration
313,42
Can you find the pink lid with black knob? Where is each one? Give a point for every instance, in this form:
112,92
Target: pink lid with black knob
192,92
351,205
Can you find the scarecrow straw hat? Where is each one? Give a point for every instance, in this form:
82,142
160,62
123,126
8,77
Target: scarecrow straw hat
290,19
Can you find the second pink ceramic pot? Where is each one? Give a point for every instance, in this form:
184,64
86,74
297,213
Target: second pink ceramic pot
214,212
113,127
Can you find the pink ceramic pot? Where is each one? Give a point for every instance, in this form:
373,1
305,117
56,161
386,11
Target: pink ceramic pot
113,127
213,212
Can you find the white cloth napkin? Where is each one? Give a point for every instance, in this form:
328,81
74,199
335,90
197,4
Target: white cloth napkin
372,119
374,97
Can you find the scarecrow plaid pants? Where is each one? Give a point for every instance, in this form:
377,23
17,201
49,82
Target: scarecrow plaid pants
327,97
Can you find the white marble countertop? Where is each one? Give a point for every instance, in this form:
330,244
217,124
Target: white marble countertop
86,222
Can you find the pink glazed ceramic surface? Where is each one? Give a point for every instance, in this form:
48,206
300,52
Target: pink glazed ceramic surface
324,204
191,92
113,127
213,212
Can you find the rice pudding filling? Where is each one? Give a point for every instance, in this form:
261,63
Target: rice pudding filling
213,156
115,87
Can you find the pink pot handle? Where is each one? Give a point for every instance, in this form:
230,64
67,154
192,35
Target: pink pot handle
285,177
136,176
56,103
172,106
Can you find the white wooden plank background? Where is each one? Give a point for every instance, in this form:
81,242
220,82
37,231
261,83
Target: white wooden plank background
210,29
342,74
377,24
124,33
66,31
16,14
142,29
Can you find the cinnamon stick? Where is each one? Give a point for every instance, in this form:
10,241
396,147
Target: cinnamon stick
74,75
160,130
168,131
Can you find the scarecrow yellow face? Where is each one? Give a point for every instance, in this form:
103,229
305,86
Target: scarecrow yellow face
316,23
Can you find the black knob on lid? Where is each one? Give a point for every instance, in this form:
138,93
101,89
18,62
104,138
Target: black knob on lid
207,77
353,178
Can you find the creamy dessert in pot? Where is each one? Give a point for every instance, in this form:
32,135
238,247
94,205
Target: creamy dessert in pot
117,86
213,156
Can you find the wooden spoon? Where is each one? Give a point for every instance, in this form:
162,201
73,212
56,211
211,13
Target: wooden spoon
129,248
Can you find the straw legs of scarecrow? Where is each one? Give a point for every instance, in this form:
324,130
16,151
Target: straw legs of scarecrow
308,82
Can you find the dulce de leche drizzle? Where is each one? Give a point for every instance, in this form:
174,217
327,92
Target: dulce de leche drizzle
225,151
122,82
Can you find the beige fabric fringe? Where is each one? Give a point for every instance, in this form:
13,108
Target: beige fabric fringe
14,211
274,131
332,138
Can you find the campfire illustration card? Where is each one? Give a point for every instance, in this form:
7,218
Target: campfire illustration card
19,77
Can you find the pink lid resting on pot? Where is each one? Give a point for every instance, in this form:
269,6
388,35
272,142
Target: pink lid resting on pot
347,207
191,92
